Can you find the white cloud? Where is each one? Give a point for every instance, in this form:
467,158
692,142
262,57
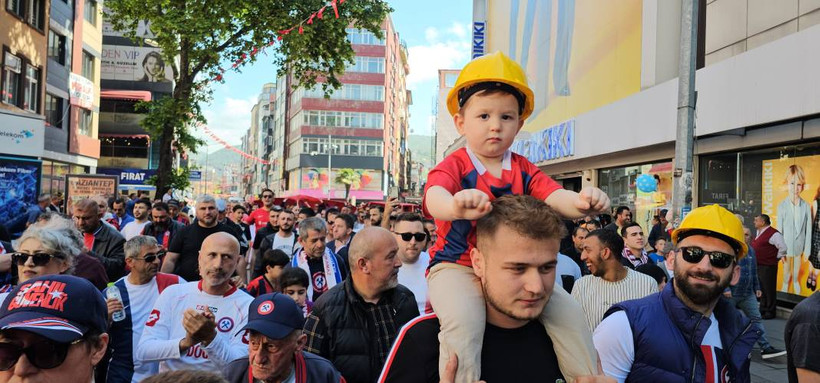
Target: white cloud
229,120
458,29
431,34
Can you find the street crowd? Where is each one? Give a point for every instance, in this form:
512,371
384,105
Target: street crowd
501,275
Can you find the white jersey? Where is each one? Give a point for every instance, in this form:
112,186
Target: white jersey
413,277
163,329
138,301
133,229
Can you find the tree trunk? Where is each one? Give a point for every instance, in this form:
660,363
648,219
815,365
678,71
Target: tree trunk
347,192
166,160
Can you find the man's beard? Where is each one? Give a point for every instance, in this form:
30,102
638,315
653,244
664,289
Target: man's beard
497,305
700,294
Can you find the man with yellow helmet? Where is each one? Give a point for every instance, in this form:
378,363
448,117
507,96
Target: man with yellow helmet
687,332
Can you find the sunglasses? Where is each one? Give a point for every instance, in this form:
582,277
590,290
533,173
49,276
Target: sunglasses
42,354
406,237
39,259
151,257
718,259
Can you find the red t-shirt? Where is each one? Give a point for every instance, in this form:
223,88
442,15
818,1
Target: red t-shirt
462,170
259,218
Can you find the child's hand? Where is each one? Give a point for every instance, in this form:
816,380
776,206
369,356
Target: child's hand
592,200
471,204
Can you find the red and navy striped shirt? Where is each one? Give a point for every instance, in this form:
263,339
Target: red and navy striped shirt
260,286
462,170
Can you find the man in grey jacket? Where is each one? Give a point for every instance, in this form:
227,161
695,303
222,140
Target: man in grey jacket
102,240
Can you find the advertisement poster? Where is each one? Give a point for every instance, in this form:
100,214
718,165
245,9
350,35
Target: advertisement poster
19,186
81,91
81,186
790,189
143,64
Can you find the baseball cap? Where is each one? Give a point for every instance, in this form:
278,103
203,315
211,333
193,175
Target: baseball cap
274,315
221,205
173,202
62,308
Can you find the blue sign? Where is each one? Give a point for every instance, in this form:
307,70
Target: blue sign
129,176
195,175
19,188
478,38
551,143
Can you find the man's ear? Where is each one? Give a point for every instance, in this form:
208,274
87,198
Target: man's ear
477,259
361,263
735,274
301,341
98,350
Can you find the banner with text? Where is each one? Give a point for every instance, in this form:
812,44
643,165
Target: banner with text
81,186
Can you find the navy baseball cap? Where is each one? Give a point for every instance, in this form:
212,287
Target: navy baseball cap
62,308
173,202
274,315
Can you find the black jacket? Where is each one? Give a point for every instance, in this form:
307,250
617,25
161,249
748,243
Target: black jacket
339,330
108,247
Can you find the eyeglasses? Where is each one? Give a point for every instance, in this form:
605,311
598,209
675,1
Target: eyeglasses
44,354
151,257
718,259
406,237
39,259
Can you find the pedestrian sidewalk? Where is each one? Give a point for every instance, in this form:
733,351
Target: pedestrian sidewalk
771,370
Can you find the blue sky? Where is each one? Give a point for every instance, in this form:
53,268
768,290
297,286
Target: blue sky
437,34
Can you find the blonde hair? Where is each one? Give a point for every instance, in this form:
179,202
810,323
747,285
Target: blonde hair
795,171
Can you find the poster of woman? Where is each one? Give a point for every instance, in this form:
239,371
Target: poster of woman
153,67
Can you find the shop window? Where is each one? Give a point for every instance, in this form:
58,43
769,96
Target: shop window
621,187
125,147
12,76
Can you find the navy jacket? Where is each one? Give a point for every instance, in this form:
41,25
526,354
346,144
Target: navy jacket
668,335
309,368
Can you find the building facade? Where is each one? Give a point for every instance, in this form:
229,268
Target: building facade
445,128
606,103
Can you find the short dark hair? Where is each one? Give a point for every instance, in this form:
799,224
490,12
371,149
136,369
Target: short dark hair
275,257
348,219
766,219
332,210
653,271
621,209
381,208
609,239
160,206
266,190
576,229
409,217
524,214
595,223
627,226
144,201
293,276
307,211
237,207
117,200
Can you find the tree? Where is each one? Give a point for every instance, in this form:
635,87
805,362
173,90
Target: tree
197,36
347,177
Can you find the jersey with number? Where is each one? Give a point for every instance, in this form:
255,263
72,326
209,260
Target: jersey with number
138,300
259,218
462,170
164,329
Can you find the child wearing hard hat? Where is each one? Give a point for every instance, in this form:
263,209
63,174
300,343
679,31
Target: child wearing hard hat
489,103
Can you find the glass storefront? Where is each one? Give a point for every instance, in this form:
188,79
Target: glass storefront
620,184
783,182
52,180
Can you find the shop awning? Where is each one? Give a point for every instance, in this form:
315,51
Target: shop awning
665,167
131,95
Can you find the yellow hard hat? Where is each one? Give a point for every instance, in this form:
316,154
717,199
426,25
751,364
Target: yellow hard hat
494,67
714,221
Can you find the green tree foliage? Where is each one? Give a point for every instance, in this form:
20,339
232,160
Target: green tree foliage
196,37
347,177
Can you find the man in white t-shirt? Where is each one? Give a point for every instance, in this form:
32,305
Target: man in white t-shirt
412,239
687,332
610,282
193,325
139,290
132,229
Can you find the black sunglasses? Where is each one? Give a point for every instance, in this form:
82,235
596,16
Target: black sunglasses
39,259
407,236
44,354
151,257
718,259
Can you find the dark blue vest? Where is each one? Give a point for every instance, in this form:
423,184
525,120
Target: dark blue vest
668,334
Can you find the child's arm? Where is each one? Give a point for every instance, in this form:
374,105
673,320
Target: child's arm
470,204
576,205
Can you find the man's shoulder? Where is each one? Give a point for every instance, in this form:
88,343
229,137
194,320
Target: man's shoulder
422,330
237,370
315,361
108,232
336,296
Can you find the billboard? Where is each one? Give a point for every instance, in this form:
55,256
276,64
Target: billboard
81,186
143,64
578,55
790,190
19,186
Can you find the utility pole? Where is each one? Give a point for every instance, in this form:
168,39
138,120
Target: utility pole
329,169
684,145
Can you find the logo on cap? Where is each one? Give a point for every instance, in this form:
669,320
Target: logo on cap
225,324
44,294
265,308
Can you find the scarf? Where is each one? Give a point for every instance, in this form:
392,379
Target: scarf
333,275
635,261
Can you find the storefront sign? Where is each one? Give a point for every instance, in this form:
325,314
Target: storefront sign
129,176
144,64
21,135
81,186
552,143
19,187
81,91
195,175
478,38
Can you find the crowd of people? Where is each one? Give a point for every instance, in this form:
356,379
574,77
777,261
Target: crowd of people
501,275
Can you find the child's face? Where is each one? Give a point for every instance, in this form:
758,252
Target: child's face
795,186
489,123
659,245
298,293
274,272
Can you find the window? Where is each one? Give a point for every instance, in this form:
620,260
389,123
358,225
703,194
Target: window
342,119
31,97
355,92
32,11
367,65
58,48
88,65
54,111
16,7
90,12
12,73
363,36
85,120
345,147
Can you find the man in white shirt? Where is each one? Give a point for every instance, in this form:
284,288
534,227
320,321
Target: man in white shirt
686,332
193,325
139,290
286,239
132,229
610,281
412,239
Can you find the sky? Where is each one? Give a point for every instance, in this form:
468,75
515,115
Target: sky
437,34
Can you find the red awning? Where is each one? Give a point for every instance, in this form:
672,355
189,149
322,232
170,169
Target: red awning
132,95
